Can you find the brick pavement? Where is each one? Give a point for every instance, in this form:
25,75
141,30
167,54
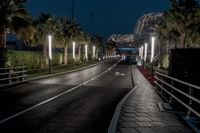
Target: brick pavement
140,112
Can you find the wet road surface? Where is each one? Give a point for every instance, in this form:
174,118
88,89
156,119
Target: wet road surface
63,104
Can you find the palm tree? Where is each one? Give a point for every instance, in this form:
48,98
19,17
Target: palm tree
45,26
67,32
80,41
178,18
83,39
62,36
193,34
110,47
97,41
13,18
28,35
73,32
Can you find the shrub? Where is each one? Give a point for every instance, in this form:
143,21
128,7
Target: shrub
31,59
165,61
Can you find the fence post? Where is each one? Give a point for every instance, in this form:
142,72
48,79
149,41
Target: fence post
190,103
22,73
161,91
9,76
172,91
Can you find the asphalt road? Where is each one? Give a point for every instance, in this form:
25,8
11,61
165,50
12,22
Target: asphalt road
79,102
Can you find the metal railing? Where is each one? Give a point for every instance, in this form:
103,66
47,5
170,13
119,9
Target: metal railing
168,84
13,75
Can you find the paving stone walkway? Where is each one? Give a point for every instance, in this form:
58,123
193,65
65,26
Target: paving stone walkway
140,112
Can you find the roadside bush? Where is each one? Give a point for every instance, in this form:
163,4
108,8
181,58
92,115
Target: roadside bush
57,58
165,61
2,57
31,59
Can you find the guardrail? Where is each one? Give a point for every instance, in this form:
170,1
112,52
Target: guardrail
13,75
182,95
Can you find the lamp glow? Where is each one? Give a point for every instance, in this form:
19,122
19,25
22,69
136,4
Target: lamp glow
74,48
86,52
152,48
50,47
145,51
142,53
94,50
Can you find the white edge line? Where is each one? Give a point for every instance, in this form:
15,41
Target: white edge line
55,97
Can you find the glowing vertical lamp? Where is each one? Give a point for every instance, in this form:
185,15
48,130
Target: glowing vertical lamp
94,52
142,52
50,53
74,50
145,51
86,52
152,48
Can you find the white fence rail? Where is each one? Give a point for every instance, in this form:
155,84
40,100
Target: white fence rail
13,75
168,84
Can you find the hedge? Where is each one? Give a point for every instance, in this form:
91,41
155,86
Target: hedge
31,59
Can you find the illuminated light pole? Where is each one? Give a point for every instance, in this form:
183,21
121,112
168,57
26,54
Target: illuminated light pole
74,50
86,52
152,53
145,51
94,52
152,48
142,53
50,53
145,54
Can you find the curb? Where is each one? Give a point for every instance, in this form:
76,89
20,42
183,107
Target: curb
62,73
52,75
114,121
113,124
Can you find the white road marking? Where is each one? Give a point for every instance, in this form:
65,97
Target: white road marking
55,97
119,74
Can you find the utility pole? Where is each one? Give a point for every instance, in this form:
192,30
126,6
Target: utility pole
93,21
72,15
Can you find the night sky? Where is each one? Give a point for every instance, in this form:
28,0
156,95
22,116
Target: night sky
110,16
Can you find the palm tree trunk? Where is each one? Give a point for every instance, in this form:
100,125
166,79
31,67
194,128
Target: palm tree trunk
79,54
66,55
97,55
168,45
3,40
182,40
45,57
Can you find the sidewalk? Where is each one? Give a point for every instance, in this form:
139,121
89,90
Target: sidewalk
140,112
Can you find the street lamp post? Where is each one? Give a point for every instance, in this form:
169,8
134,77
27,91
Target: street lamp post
50,53
145,54
152,53
142,55
145,51
93,21
94,52
86,52
74,51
